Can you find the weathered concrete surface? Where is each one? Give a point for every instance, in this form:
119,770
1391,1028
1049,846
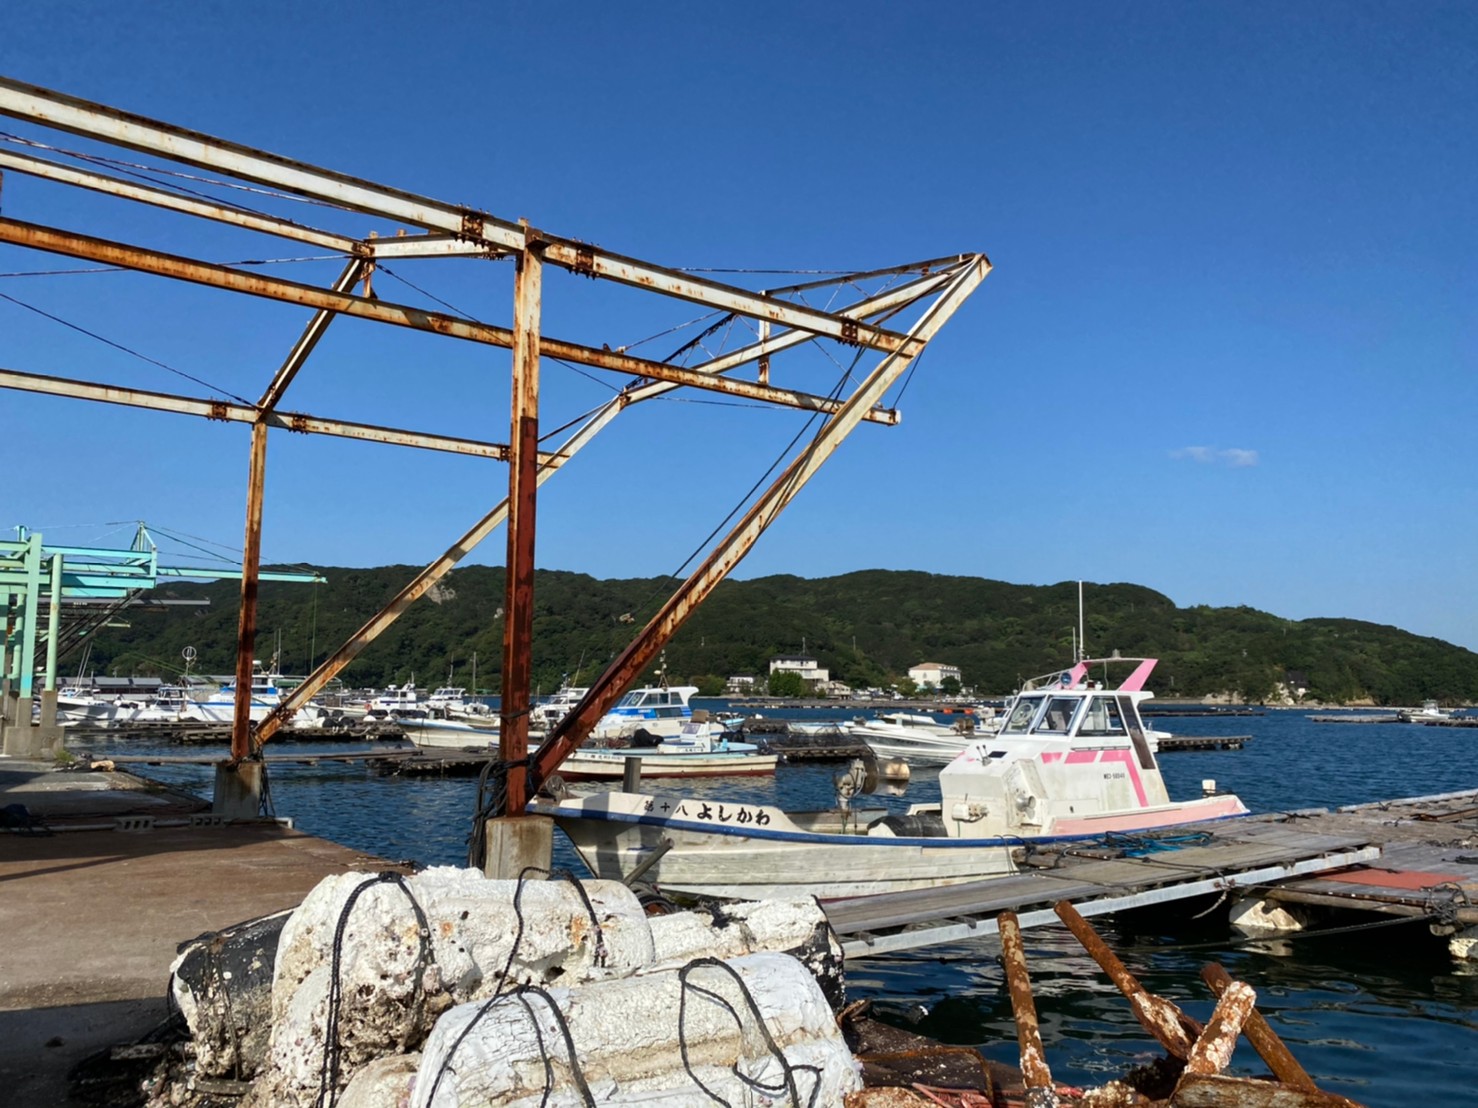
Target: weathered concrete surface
399,981
92,918
67,796
625,1033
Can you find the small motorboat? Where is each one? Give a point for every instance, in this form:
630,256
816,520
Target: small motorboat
702,748
1072,761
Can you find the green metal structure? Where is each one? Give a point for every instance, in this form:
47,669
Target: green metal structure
56,596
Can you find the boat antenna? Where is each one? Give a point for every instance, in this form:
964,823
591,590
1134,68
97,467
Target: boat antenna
1082,633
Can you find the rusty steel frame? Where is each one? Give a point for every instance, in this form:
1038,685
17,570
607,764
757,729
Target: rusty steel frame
523,481
384,311
446,230
224,411
628,665
98,121
333,665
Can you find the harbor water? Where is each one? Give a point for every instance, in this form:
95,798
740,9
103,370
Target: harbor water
1379,1015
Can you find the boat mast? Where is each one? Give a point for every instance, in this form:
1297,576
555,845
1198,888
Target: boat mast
1082,634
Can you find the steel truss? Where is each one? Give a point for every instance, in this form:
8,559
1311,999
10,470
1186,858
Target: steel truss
931,290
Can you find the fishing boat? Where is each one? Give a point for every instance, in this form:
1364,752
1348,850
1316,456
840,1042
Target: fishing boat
659,710
452,701
914,737
1429,712
434,728
547,714
1072,761
220,707
702,748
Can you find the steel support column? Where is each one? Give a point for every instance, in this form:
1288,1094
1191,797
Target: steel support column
251,563
523,443
53,621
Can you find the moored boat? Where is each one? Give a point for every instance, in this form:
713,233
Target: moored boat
1072,761
914,737
701,749
659,710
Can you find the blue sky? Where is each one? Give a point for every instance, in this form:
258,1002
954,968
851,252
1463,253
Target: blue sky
1228,349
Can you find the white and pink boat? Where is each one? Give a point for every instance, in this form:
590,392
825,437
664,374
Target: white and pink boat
1072,761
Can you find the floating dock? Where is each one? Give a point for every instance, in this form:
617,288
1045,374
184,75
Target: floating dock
1232,854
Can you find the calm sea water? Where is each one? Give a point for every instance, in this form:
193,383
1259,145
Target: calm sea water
1377,1016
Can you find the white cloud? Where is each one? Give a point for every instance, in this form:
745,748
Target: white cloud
1235,456
1238,458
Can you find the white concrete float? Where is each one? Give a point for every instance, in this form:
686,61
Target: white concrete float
629,1038
391,994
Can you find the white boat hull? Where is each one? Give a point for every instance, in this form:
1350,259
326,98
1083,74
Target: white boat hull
755,852
610,765
448,734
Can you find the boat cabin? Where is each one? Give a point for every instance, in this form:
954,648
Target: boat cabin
1069,752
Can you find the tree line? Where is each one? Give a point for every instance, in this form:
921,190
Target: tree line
867,628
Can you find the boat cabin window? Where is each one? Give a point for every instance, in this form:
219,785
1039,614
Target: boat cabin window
1021,714
1058,716
1101,718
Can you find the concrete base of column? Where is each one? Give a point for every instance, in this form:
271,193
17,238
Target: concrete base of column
238,790
22,739
516,842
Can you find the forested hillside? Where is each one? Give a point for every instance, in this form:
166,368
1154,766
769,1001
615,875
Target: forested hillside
866,627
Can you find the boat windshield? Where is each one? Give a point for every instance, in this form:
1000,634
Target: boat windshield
1059,715
1102,717
1021,714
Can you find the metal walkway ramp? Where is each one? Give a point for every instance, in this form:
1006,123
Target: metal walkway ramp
1240,854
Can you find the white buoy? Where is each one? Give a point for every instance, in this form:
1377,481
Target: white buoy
896,770
1208,786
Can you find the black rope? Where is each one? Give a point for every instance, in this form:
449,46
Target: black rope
789,1070
576,1072
599,959
328,1079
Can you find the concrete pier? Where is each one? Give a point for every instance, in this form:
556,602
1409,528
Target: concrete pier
91,914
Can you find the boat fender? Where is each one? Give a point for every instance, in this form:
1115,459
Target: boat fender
917,825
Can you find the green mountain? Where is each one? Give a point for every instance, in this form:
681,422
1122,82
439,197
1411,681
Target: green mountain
868,628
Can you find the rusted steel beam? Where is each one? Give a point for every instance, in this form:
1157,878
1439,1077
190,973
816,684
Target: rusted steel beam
1261,1035
245,413
83,117
523,439
429,246
1175,1030
251,564
49,170
630,663
384,311
1036,1075
766,347
1221,1091
923,268
1212,1050
353,273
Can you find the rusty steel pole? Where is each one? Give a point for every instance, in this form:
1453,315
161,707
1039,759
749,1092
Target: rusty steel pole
251,564
1261,1035
1035,1073
1175,1030
523,483
1212,1050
